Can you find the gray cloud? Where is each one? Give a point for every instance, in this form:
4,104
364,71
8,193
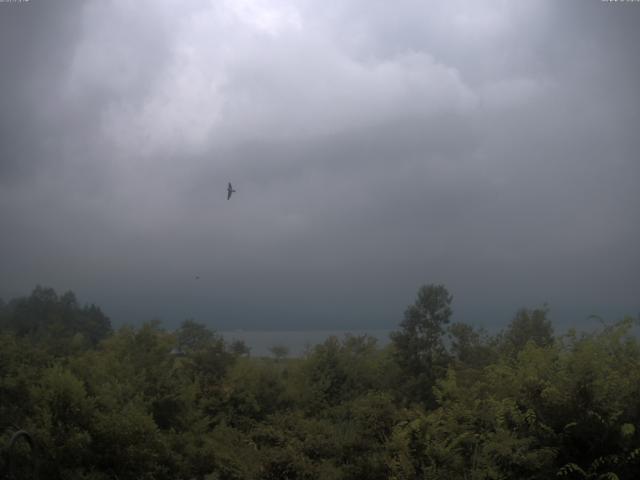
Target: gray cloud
485,145
35,41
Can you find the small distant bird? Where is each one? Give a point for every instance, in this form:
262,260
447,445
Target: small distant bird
230,190
197,277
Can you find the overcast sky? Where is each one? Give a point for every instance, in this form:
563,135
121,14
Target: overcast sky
375,146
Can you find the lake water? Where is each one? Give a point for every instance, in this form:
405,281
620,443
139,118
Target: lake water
296,341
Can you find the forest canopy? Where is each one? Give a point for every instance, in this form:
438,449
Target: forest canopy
441,400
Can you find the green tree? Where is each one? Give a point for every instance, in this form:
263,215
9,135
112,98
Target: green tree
239,348
256,388
470,347
61,422
419,346
337,371
526,326
193,336
279,352
55,320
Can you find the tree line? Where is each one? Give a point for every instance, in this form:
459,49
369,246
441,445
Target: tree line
442,401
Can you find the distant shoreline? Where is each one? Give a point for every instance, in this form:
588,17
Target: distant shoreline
297,341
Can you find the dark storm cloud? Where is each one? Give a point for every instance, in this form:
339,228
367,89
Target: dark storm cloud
487,145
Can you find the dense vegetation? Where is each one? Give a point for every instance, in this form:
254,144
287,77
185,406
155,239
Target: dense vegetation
442,401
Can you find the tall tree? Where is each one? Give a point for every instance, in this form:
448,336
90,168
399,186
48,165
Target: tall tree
419,347
526,326
470,347
193,336
54,319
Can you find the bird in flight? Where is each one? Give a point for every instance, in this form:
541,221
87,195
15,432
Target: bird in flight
230,190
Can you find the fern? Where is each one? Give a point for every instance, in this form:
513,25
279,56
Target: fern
608,476
571,468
